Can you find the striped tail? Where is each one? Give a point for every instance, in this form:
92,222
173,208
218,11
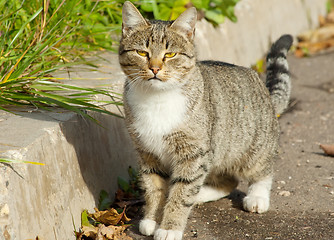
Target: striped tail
278,78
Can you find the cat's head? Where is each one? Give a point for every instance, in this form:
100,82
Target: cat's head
157,54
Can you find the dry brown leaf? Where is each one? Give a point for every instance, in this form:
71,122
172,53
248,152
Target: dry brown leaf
328,149
111,233
299,53
89,231
110,217
321,34
330,17
119,195
101,232
314,41
305,48
322,21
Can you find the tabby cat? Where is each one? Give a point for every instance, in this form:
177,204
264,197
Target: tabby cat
198,126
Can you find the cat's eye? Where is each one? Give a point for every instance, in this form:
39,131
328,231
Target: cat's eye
142,53
170,55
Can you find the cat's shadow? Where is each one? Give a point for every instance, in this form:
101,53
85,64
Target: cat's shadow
237,196
104,152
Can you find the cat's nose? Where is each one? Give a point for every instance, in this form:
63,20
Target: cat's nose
155,70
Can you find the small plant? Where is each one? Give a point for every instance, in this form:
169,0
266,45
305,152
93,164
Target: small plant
215,10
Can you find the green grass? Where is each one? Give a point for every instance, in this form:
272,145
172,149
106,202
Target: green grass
6,160
39,37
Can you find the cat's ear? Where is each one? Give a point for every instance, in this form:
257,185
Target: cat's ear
186,22
131,17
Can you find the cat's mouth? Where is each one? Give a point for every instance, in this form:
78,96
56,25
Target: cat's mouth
155,78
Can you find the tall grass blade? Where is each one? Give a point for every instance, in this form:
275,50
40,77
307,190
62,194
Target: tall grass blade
6,160
24,25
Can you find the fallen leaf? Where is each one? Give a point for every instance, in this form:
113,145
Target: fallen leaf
104,201
110,217
112,233
318,35
307,48
330,17
317,40
85,220
299,52
119,195
328,149
89,231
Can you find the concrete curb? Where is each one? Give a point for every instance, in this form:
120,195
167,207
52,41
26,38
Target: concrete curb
82,158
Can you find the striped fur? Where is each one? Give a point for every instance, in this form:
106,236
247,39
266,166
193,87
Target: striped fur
278,79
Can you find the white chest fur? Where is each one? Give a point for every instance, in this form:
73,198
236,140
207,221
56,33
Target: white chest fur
156,115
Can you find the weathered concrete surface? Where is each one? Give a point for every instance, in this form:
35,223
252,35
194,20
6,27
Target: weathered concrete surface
259,24
82,158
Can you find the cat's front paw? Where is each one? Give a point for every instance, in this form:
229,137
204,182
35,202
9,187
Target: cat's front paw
162,234
147,227
256,204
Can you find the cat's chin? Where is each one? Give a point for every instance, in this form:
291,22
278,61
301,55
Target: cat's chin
159,85
154,78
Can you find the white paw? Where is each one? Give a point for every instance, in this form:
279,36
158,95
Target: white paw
147,227
208,194
162,234
256,204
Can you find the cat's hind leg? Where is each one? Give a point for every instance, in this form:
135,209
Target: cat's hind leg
258,197
216,187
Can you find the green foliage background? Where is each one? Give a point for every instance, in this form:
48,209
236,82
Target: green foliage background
38,37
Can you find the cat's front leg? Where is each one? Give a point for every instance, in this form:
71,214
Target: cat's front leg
189,169
153,181
182,196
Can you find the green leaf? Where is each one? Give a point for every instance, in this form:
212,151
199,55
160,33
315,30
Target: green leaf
180,3
104,201
85,220
146,5
176,11
215,16
165,12
156,11
201,4
124,185
227,8
133,174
